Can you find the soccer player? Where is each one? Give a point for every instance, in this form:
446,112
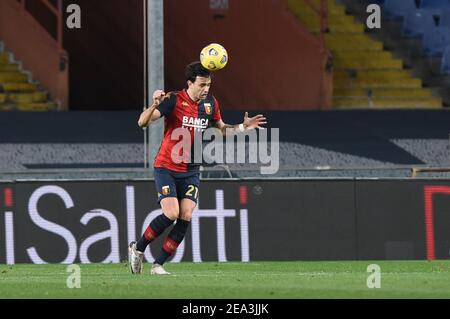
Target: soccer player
177,182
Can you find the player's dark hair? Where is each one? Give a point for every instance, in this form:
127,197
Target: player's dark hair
195,69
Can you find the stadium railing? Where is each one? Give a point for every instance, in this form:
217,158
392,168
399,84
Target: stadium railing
224,171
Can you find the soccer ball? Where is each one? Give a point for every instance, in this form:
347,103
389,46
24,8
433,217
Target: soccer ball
214,57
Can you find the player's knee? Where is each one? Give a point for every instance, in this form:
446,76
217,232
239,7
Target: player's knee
170,208
187,209
172,213
186,214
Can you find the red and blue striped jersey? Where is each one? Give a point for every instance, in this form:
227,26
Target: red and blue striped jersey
180,111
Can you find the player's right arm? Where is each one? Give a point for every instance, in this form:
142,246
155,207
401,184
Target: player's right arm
163,105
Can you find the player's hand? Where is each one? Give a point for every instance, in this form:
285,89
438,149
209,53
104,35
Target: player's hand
254,122
158,96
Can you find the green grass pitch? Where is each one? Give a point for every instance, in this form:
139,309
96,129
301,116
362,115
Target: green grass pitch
211,280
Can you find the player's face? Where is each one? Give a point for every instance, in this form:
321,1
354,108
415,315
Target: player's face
200,88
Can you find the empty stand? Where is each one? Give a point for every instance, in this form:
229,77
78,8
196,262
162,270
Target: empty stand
434,42
33,63
18,92
398,8
365,74
434,3
419,22
418,34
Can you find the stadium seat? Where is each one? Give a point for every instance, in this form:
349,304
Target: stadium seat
365,74
398,8
434,3
435,40
18,87
36,107
17,90
418,22
445,66
444,17
35,97
387,103
352,41
8,67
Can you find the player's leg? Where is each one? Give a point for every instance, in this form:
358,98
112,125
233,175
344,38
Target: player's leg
167,196
178,232
170,212
187,190
170,208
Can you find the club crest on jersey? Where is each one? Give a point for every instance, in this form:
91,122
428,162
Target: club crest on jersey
166,190
185,104
208,108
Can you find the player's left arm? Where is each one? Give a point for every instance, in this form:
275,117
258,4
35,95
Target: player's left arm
249,123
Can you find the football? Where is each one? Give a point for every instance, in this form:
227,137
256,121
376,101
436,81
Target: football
214,57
